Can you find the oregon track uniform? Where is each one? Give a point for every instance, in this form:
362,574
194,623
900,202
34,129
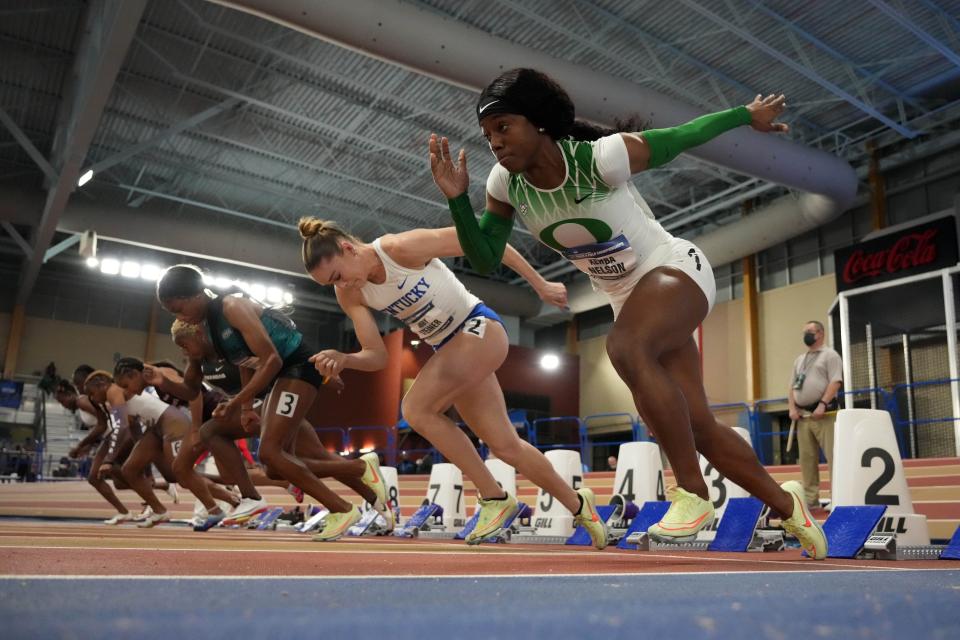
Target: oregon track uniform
597,220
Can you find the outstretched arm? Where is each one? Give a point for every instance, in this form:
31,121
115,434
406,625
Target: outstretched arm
656,147
483,241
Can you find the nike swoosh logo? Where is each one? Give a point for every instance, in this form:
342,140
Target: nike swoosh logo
484,107
579,200
400,286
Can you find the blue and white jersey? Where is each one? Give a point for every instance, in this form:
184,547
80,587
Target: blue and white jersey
431,301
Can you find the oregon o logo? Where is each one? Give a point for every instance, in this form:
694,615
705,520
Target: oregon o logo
575,232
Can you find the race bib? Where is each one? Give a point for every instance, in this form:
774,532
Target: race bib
475,326
428,321
611,260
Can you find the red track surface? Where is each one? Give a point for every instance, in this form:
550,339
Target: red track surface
42,548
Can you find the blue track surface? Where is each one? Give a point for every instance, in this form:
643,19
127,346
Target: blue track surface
824,604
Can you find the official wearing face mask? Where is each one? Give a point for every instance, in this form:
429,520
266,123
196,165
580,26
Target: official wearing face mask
816,381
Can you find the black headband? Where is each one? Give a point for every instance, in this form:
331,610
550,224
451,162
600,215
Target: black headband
496,107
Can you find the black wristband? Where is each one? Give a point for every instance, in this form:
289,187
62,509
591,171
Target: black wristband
824,403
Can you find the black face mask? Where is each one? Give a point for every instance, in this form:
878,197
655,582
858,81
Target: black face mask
809,338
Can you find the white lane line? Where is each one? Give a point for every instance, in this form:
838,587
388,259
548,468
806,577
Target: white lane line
516,554
497,576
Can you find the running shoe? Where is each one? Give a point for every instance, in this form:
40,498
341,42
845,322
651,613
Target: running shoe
589,519
296,492
246,509
212,520
172,492
802,525
390,519
493,515
154,519
143,515
687,515
373,478
337,524
120,517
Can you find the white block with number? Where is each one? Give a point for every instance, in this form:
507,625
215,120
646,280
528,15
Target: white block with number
551,518
639,476
446,489
393,488
867,469
721,488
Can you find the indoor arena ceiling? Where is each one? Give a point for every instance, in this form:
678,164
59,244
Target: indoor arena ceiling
219,114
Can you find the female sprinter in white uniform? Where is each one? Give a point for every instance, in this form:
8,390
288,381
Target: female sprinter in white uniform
401,275
569,182
98,423
162,426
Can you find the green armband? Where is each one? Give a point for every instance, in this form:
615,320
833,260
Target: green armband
667,144
483,242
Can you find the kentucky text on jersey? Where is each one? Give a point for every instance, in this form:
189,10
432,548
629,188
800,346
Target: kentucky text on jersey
408,299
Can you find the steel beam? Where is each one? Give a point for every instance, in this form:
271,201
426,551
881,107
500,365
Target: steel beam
109,26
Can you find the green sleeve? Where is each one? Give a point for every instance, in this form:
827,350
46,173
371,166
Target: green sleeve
667,144
483,242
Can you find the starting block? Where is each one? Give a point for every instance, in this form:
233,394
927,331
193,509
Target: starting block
313,522
580,537
370,524
738,532
420,521
852,533
267,519
649,515
506,533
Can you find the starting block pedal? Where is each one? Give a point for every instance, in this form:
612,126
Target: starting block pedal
738,532
952,552
419,521
505,534
370,524
648,515
313,522
267,519
580,537
848,529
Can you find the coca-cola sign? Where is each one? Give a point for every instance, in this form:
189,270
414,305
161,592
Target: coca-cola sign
910,251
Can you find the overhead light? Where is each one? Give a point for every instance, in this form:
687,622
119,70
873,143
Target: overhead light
243,285
222,283
110,266
258,291
150,272
130,269
85,178
287,297
209,280
550,361
274,294
92,262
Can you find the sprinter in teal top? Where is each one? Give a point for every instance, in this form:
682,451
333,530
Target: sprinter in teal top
269,350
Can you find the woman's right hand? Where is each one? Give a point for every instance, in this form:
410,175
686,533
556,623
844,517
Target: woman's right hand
452,179
151,375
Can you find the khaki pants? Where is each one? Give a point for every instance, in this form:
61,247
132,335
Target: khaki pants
812,435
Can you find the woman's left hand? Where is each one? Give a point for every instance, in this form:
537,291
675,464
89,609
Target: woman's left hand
225,410
329,362
764,112
554,293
